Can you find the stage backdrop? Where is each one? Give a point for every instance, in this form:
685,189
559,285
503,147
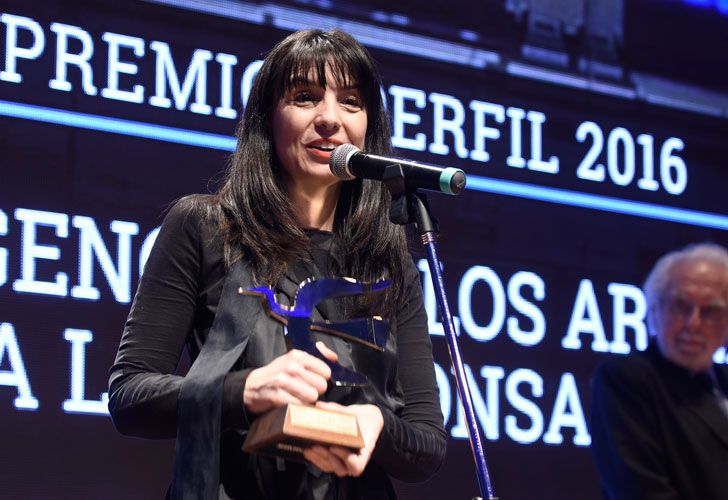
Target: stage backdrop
593,134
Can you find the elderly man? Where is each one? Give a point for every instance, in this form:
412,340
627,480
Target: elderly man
659,418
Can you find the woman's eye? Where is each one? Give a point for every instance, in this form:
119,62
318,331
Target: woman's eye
303,97
352,101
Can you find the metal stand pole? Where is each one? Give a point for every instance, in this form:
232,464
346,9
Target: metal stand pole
409,206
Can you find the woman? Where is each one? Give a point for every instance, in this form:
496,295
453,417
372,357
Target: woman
282,217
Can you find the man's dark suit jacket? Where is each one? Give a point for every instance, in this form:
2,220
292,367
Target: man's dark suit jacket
658,431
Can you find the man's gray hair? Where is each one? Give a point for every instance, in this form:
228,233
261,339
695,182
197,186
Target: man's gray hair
657,284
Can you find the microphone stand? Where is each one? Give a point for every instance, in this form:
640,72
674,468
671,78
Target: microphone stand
410,206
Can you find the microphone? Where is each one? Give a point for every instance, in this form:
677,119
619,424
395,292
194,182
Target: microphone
348,162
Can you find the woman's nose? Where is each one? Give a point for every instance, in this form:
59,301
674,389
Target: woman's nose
328,117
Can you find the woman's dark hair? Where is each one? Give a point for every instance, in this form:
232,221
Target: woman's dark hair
255,214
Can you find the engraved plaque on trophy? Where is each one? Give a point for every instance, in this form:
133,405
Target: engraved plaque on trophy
287,430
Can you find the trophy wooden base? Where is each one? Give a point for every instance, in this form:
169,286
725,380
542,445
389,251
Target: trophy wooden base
287,430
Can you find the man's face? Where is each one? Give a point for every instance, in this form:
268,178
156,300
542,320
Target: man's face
693,316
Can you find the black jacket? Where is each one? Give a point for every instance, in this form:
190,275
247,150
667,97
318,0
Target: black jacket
658,431
176,304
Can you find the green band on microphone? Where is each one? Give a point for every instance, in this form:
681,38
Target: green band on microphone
446,179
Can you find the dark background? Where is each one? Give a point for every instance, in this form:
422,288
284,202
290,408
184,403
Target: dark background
48,453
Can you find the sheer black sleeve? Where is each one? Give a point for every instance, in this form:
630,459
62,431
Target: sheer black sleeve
167,314
413,441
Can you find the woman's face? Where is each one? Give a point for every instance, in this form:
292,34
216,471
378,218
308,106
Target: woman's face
309,122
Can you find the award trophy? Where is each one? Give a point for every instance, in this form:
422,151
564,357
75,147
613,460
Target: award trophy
287,430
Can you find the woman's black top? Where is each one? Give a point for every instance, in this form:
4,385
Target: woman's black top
174,307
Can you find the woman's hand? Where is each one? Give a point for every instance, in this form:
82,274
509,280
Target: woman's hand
342,461
294,377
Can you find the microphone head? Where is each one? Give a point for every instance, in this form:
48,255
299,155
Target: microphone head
339,161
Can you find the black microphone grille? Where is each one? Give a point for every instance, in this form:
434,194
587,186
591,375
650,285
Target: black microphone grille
339,160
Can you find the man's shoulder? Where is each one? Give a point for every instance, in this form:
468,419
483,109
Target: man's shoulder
721,371
638,365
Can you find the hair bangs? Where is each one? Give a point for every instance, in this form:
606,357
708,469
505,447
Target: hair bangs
334,55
